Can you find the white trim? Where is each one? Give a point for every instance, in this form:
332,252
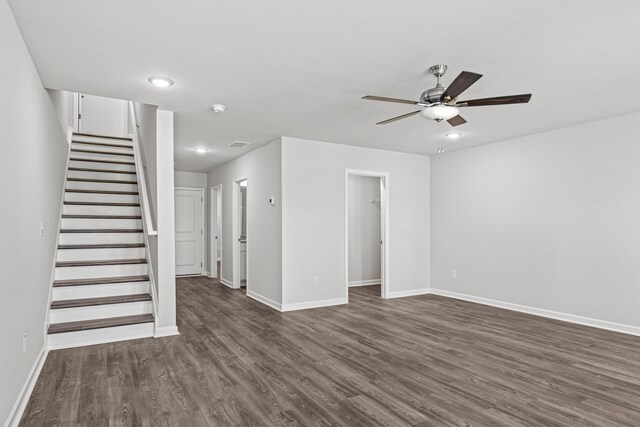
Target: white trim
566,317
202,209
208,274
357,283
226,282
384,219
166,331
409,293
25,393
264,300
314,304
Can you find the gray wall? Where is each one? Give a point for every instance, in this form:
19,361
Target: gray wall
364,229
262,168
190,179
550,221
32,170
313,219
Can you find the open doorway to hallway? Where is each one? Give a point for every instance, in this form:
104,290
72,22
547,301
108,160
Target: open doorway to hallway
240,251
365,225
215,235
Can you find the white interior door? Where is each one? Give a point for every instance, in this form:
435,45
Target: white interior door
189,205
103,116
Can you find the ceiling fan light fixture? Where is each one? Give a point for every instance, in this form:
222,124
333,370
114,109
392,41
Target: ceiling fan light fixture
440,112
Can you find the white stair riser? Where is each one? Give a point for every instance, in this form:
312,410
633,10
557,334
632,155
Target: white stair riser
69,223
99,238
104,186
75,314
100,254
93,197
100,210
96,291
101,156
102,140
99,165
100,336
104,148
102,175
93,271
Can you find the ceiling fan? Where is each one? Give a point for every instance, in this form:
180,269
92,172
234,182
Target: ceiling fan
442,104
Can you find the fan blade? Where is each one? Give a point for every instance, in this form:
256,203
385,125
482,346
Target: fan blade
393,119
461,83
382,98
497,100
456,121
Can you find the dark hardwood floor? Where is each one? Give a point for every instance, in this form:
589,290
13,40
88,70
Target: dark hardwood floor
420,361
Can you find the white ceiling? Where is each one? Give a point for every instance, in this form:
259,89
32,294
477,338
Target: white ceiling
299,68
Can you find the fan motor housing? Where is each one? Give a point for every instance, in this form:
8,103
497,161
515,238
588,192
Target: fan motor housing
433,95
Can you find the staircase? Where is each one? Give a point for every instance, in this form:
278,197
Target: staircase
101,288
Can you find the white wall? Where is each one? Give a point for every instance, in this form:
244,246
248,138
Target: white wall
32,170
63,104
262,168
313,218
549,221
190,179
364,229
166,278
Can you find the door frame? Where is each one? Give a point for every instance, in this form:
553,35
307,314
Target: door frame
215,193
236,282
384,224
202,215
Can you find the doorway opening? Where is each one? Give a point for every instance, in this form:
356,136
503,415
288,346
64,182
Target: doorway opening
215,236
240,235
189,219
366,230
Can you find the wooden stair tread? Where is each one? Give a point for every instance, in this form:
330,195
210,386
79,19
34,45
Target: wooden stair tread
101,230
103,181
76,169
88,302
80,150
126,193
90,263
126,138
83,325
104,144
115,162
101,204
99,281
68,216
103,246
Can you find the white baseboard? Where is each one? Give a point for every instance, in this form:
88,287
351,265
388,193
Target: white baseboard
572,318
166,331
226,282
364,283
409,293
206,273
314,304
25,393
267,301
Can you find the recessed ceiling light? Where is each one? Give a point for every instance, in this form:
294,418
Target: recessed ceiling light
160,81
453,135
201,150
218,108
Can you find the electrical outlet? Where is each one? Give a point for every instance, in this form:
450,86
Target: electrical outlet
316,280
41,229
454,274
24,342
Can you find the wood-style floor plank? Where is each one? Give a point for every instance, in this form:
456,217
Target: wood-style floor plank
418,361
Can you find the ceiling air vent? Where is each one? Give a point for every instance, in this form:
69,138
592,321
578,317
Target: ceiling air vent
238,144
